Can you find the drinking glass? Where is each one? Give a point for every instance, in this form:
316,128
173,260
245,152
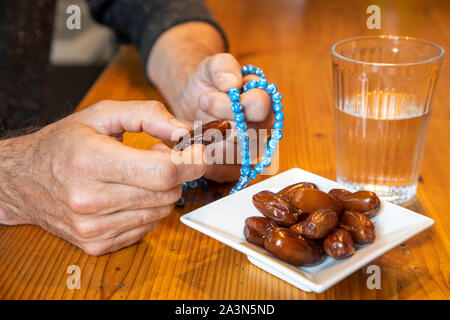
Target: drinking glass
383,92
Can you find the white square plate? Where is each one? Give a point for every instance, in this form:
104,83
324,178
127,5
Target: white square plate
224,219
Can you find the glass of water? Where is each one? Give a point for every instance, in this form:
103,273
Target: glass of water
383,92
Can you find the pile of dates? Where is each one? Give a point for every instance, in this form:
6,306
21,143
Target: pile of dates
302,223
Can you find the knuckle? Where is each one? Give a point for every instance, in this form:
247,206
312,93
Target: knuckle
174,194
81,203
93,249
145,217
157,106
85,229
166,210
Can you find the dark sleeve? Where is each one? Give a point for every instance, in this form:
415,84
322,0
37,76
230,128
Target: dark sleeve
141,22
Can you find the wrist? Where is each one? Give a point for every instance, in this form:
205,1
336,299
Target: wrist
178,52
13,153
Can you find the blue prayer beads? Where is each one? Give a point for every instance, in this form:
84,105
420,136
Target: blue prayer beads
247,173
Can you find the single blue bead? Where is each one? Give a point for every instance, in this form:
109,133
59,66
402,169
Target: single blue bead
262,83
251,84
233,91
276,97
271,88
272,143
192,184
184,186
239,186
233,190
236,107
253,174
277,107
259,168
278,125
245,144
277,135
246,162
180,202
258,72
244,70
244,180
242,135
235,97
279,116
266,161
239,117
245,153
245,170
244,88
241,126
251,69
269,152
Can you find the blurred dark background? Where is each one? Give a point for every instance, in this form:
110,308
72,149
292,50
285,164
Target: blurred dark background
77,57
46,68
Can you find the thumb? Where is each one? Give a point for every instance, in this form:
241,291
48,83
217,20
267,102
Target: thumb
224,72
115,117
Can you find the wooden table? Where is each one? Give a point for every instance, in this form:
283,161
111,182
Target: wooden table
291,41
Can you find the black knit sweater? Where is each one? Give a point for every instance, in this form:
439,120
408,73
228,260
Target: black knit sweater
25,38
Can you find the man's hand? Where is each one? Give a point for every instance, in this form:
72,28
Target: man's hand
75,178
194,77
204,96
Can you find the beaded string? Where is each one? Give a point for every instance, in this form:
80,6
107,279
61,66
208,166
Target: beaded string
247,173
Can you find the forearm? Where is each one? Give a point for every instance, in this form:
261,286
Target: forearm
179,28
178,52
12,153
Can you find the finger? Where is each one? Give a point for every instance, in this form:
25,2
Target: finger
152,170
121,241
112,197
115,117
105,227
249,77
256,105
224,72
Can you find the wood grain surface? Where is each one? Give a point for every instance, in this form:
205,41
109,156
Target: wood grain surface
291,41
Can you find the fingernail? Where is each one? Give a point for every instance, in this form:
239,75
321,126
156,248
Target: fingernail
228,78
203,102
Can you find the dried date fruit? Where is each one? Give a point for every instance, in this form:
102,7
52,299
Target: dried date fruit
293,248
318,224
275,207
310,200
257,228
365,202
359,225
339,244
287,192
339,193
205,135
